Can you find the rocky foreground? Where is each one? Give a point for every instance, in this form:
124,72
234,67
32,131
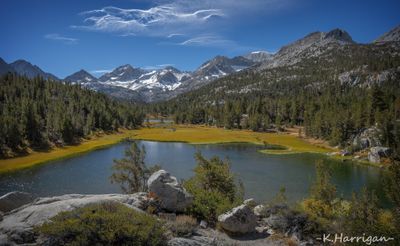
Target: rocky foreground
247,224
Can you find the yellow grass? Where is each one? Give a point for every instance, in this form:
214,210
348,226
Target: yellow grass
212,135
173,133
58,153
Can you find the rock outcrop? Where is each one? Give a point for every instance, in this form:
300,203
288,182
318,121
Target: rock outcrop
367,138
14,200
17,225
376,153
239,220
259,210
171,195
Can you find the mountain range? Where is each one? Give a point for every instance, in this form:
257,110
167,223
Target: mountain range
145,85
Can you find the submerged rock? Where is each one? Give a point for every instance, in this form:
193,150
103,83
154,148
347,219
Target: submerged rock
14,200
238,220
171,195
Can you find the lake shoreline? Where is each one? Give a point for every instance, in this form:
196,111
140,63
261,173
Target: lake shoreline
41,157
171,133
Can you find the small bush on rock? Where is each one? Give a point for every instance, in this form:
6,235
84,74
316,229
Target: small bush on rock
104,224
214,189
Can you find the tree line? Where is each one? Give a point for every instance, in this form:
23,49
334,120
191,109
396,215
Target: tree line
39,114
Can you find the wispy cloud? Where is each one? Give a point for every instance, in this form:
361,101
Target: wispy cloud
172,35
177,20
209,40
58,37
166,65
158,66
163,20
101,71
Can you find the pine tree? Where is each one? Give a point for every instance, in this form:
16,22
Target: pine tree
131,172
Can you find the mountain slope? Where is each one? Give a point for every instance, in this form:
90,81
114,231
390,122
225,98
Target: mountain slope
391,36
209,71
5,67
221,66
25,68
312,45
259,56
353,65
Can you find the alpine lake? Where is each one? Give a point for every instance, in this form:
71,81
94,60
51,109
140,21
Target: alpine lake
262,174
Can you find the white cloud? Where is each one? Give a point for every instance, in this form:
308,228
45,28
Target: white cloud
58,37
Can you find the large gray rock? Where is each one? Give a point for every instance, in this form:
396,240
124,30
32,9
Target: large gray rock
375,154
14,200
238,220
369,137
17,225
171,195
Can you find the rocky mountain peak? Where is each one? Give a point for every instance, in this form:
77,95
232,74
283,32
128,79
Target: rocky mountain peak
126,67
338,35
172,69
123,73
82,76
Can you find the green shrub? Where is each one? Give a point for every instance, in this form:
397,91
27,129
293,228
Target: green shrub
183,226
214,189
104,224
323,189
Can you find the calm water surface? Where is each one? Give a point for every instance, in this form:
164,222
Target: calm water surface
262,174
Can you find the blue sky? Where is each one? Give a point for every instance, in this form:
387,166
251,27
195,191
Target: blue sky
62,37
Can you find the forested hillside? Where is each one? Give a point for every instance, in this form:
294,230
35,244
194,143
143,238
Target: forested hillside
334,95
37,113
